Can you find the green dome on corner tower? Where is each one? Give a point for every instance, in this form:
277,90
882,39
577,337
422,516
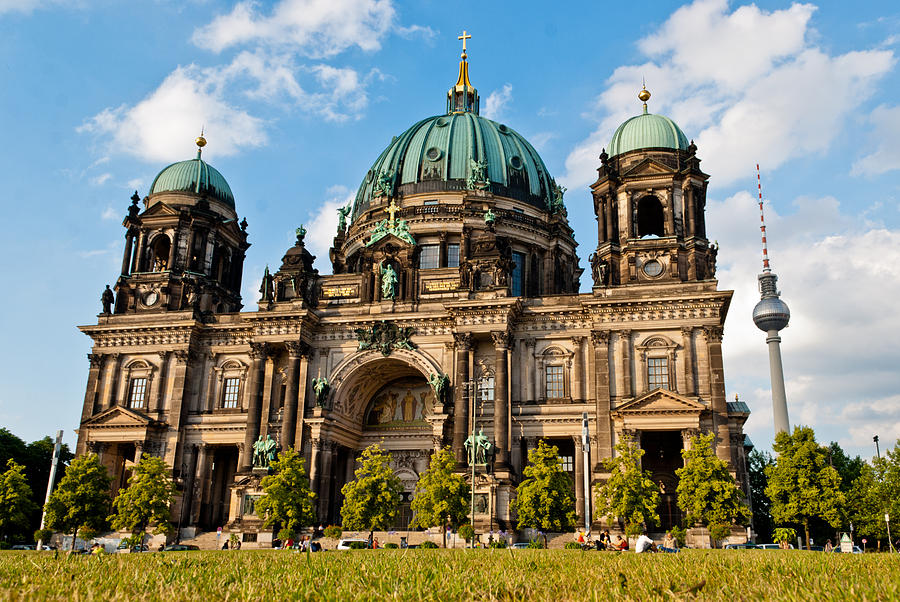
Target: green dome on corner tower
195,176
647,131
456,151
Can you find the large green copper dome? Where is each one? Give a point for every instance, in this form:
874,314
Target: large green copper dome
194,175
440,153
647,131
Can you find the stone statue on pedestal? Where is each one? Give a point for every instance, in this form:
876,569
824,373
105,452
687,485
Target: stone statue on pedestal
107,300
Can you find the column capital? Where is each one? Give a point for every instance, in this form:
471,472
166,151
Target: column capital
163,355
625,333
713,334
297,349
258,350
530,342
181,355
95,359
578,340
688,434
449,345
463,340
687,331
600,337
501,339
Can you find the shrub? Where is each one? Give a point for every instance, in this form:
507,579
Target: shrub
535,545
573,545
429,545
719,531
391,546
499,544
633,529
286,534
785,534
333,532
357,545
43,535
467,532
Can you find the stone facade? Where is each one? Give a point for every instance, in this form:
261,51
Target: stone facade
470,282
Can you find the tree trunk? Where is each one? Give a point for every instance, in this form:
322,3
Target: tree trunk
74,537
806,530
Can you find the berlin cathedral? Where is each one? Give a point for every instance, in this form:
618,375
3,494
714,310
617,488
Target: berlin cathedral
453,307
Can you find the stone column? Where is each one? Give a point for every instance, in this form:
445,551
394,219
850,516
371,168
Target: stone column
463,342
315,449
686,436
270,375
159,399
138,265
578,372
113,362
302,386
199,475
289,416
717,397
90,393
687,342
625,354
611,215
579,479
691,228
501,400
212,385
600,342
629,217
126,256
529,370
254,406
138,450
670,212
640,375
173,250
325,479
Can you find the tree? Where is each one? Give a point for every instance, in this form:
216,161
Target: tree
81,499
372,499
865,506
15,500
146,500
707,493
442,496
760,502
887,485
630,493
287,499
802,485
544,499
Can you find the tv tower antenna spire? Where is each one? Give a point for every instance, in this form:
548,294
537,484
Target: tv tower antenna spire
771,315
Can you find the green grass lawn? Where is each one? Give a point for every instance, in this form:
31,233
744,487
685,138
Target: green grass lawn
450,575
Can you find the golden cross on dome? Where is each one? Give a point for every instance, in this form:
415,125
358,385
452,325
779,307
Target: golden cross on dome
392,209
464,37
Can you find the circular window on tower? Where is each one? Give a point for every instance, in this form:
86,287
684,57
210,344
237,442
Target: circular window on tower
503,129
515,162
442,121
652,268
433,153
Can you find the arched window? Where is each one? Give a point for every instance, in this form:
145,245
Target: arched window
159,253
650,217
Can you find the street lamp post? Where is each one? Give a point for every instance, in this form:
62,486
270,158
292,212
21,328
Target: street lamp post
472,391
877,451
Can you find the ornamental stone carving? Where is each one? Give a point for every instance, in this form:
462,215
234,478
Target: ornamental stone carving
385,337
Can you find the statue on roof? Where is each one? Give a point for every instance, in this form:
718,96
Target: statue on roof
556,202
477,175
401,231
343,212
301,234
384,184
107,300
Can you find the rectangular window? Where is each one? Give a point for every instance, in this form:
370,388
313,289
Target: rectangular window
138,393
230,398
486,389
567,463
430,257
555,385
518,274
453,256
430,202
657,373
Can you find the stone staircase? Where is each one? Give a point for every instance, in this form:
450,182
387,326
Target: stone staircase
207,540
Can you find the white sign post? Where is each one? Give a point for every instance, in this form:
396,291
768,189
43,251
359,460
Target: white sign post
846,544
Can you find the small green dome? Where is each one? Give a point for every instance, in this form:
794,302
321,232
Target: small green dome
647,131
436,155
194,175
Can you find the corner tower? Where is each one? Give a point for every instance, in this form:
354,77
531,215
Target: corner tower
185,250
649,201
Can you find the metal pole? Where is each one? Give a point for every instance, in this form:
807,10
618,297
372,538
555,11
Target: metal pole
53,463
585,449
887,521
877,451
470,387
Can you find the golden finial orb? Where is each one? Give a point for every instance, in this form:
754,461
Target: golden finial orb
644,95
200,141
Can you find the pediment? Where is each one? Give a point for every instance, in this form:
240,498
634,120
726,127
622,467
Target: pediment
662,401
389,239
159,210
649,167
119,417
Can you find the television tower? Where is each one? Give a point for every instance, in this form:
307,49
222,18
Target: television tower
770,315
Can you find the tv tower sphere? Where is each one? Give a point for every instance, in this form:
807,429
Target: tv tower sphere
771,313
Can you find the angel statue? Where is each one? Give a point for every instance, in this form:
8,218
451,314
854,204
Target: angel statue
343,212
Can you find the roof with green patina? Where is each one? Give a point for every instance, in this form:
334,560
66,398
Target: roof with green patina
434,156
193,175
647,131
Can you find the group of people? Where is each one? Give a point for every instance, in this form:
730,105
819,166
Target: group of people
305,544
642,545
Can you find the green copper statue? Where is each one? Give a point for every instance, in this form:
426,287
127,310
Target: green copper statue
301,233
478,448
489,217
343,212
321,388
388,281
439,383
264,452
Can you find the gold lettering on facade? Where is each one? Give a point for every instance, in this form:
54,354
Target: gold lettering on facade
334,292
440,286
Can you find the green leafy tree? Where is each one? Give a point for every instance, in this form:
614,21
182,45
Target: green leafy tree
887,488
372,499
544,499
865,506
802,484
287,499
760,502
630,493
707,493
442,496
145,502
15,500
81,500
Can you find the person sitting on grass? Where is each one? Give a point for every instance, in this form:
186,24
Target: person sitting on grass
669,546
621,544
644,544
605,540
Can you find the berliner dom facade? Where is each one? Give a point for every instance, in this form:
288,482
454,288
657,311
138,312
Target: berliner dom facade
453,308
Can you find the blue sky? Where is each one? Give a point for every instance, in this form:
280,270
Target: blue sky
299,97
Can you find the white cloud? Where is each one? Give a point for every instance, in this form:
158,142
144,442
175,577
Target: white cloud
109,213
162,126
496,102
322,227
101,179
840,354
885,122
745,84
316,28
29,6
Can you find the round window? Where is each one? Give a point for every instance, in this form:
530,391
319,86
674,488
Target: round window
442,121
515,162
503,129
433,154
653,268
